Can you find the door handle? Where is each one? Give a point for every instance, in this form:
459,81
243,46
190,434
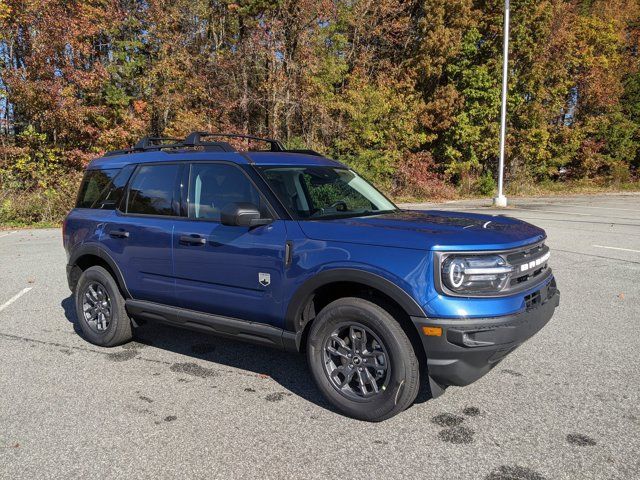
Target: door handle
193,239
119,234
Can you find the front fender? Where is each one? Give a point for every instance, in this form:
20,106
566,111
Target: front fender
341,274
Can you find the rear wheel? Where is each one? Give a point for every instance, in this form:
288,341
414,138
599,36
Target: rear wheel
100,308
362,360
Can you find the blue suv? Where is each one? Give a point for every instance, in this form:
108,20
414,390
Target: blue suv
290,249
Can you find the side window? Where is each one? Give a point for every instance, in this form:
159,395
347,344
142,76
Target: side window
152,190
93,185
113,194
213,186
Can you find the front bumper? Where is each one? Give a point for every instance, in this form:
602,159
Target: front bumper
468,348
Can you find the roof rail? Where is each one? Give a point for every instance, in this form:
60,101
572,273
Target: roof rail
195,139
305,151
150,144
158,142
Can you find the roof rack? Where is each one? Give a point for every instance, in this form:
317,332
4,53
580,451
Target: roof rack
194,140
147,142
150,144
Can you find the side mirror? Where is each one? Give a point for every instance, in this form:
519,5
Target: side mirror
242,215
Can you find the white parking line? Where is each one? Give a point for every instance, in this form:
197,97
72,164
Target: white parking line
617,248
14,298
600,208
6,234
552,211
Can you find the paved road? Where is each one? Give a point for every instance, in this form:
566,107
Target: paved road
175,404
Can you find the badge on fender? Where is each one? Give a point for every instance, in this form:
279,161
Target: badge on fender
264,279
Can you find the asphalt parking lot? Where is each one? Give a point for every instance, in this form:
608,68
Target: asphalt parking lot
177,404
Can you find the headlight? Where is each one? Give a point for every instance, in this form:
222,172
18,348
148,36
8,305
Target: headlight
491,274
472,274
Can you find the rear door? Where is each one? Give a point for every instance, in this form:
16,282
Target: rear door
228,270
139,235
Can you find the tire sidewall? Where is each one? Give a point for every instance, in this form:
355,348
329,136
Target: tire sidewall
372,317
101,276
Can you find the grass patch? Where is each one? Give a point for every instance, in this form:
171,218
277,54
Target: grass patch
12,225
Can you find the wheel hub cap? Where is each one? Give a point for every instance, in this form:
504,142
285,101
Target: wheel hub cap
356,361
96,307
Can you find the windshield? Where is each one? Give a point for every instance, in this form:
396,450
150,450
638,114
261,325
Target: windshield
325,192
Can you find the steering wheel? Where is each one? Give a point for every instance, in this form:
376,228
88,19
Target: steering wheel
339,203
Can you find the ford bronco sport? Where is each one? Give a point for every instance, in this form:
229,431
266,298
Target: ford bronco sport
293,250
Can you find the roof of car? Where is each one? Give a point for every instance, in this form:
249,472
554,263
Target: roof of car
243,158
291,158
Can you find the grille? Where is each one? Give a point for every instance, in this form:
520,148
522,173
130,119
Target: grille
530,264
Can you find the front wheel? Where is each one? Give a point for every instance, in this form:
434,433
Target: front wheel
362,360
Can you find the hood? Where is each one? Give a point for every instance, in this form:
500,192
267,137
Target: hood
427,230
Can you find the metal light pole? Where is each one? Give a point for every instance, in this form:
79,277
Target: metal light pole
501,200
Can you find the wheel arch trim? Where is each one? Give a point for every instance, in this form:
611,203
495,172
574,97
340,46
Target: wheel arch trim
90,249
337,275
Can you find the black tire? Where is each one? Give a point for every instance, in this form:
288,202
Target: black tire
394,392
118,327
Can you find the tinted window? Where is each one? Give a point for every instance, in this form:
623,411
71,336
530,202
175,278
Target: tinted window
95,182
152,190
110,198
213,186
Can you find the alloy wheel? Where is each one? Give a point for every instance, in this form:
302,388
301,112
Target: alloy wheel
96,307
356,361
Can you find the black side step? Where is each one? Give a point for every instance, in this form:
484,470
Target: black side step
253,332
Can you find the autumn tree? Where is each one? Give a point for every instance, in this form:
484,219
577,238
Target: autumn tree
406,91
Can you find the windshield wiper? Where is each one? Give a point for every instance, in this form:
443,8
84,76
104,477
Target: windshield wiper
364,213
369,213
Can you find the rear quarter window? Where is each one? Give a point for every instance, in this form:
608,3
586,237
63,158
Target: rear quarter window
94,183
104,188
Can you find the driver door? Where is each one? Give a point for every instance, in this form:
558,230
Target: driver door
225,270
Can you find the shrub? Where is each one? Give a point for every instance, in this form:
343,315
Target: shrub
40,206
38,183
619,173
485,185
417,176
